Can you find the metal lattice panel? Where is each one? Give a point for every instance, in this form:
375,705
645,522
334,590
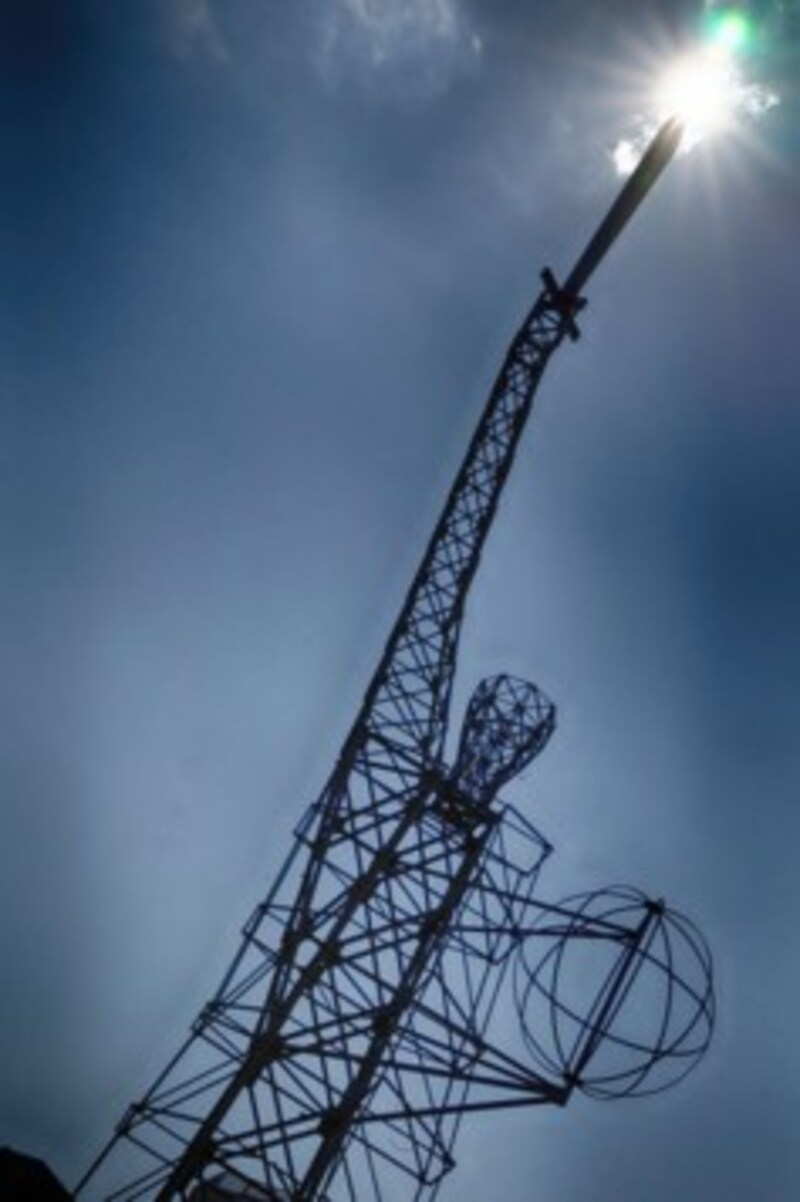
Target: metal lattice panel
348,1034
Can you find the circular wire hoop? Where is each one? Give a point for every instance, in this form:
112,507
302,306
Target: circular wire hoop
615,993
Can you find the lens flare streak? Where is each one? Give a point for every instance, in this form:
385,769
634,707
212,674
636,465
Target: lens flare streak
706,90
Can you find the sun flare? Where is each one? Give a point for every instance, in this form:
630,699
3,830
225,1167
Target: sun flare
710,89
702,90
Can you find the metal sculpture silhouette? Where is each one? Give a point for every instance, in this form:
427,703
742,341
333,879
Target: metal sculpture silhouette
351,1033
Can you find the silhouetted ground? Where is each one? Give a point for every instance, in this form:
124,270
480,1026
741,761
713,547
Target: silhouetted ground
25,1179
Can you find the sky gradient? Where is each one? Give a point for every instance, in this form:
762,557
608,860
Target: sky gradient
263,263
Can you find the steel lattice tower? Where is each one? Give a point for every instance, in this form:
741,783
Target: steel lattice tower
350,1034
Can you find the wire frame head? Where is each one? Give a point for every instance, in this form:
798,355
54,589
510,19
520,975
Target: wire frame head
614,993
507,724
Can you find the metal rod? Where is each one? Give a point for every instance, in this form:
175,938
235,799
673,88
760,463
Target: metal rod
658,154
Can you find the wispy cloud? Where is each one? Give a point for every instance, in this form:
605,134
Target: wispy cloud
191,29
418,45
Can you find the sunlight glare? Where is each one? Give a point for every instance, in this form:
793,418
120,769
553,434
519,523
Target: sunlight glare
703,90
706,89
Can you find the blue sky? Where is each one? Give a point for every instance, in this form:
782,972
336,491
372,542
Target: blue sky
263,262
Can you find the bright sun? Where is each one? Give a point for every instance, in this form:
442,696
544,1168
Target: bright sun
707,89
703,90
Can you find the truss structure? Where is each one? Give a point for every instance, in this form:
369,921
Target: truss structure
349,1030
351,1033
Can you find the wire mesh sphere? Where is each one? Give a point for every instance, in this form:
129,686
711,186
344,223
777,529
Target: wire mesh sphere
507,723
615,993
